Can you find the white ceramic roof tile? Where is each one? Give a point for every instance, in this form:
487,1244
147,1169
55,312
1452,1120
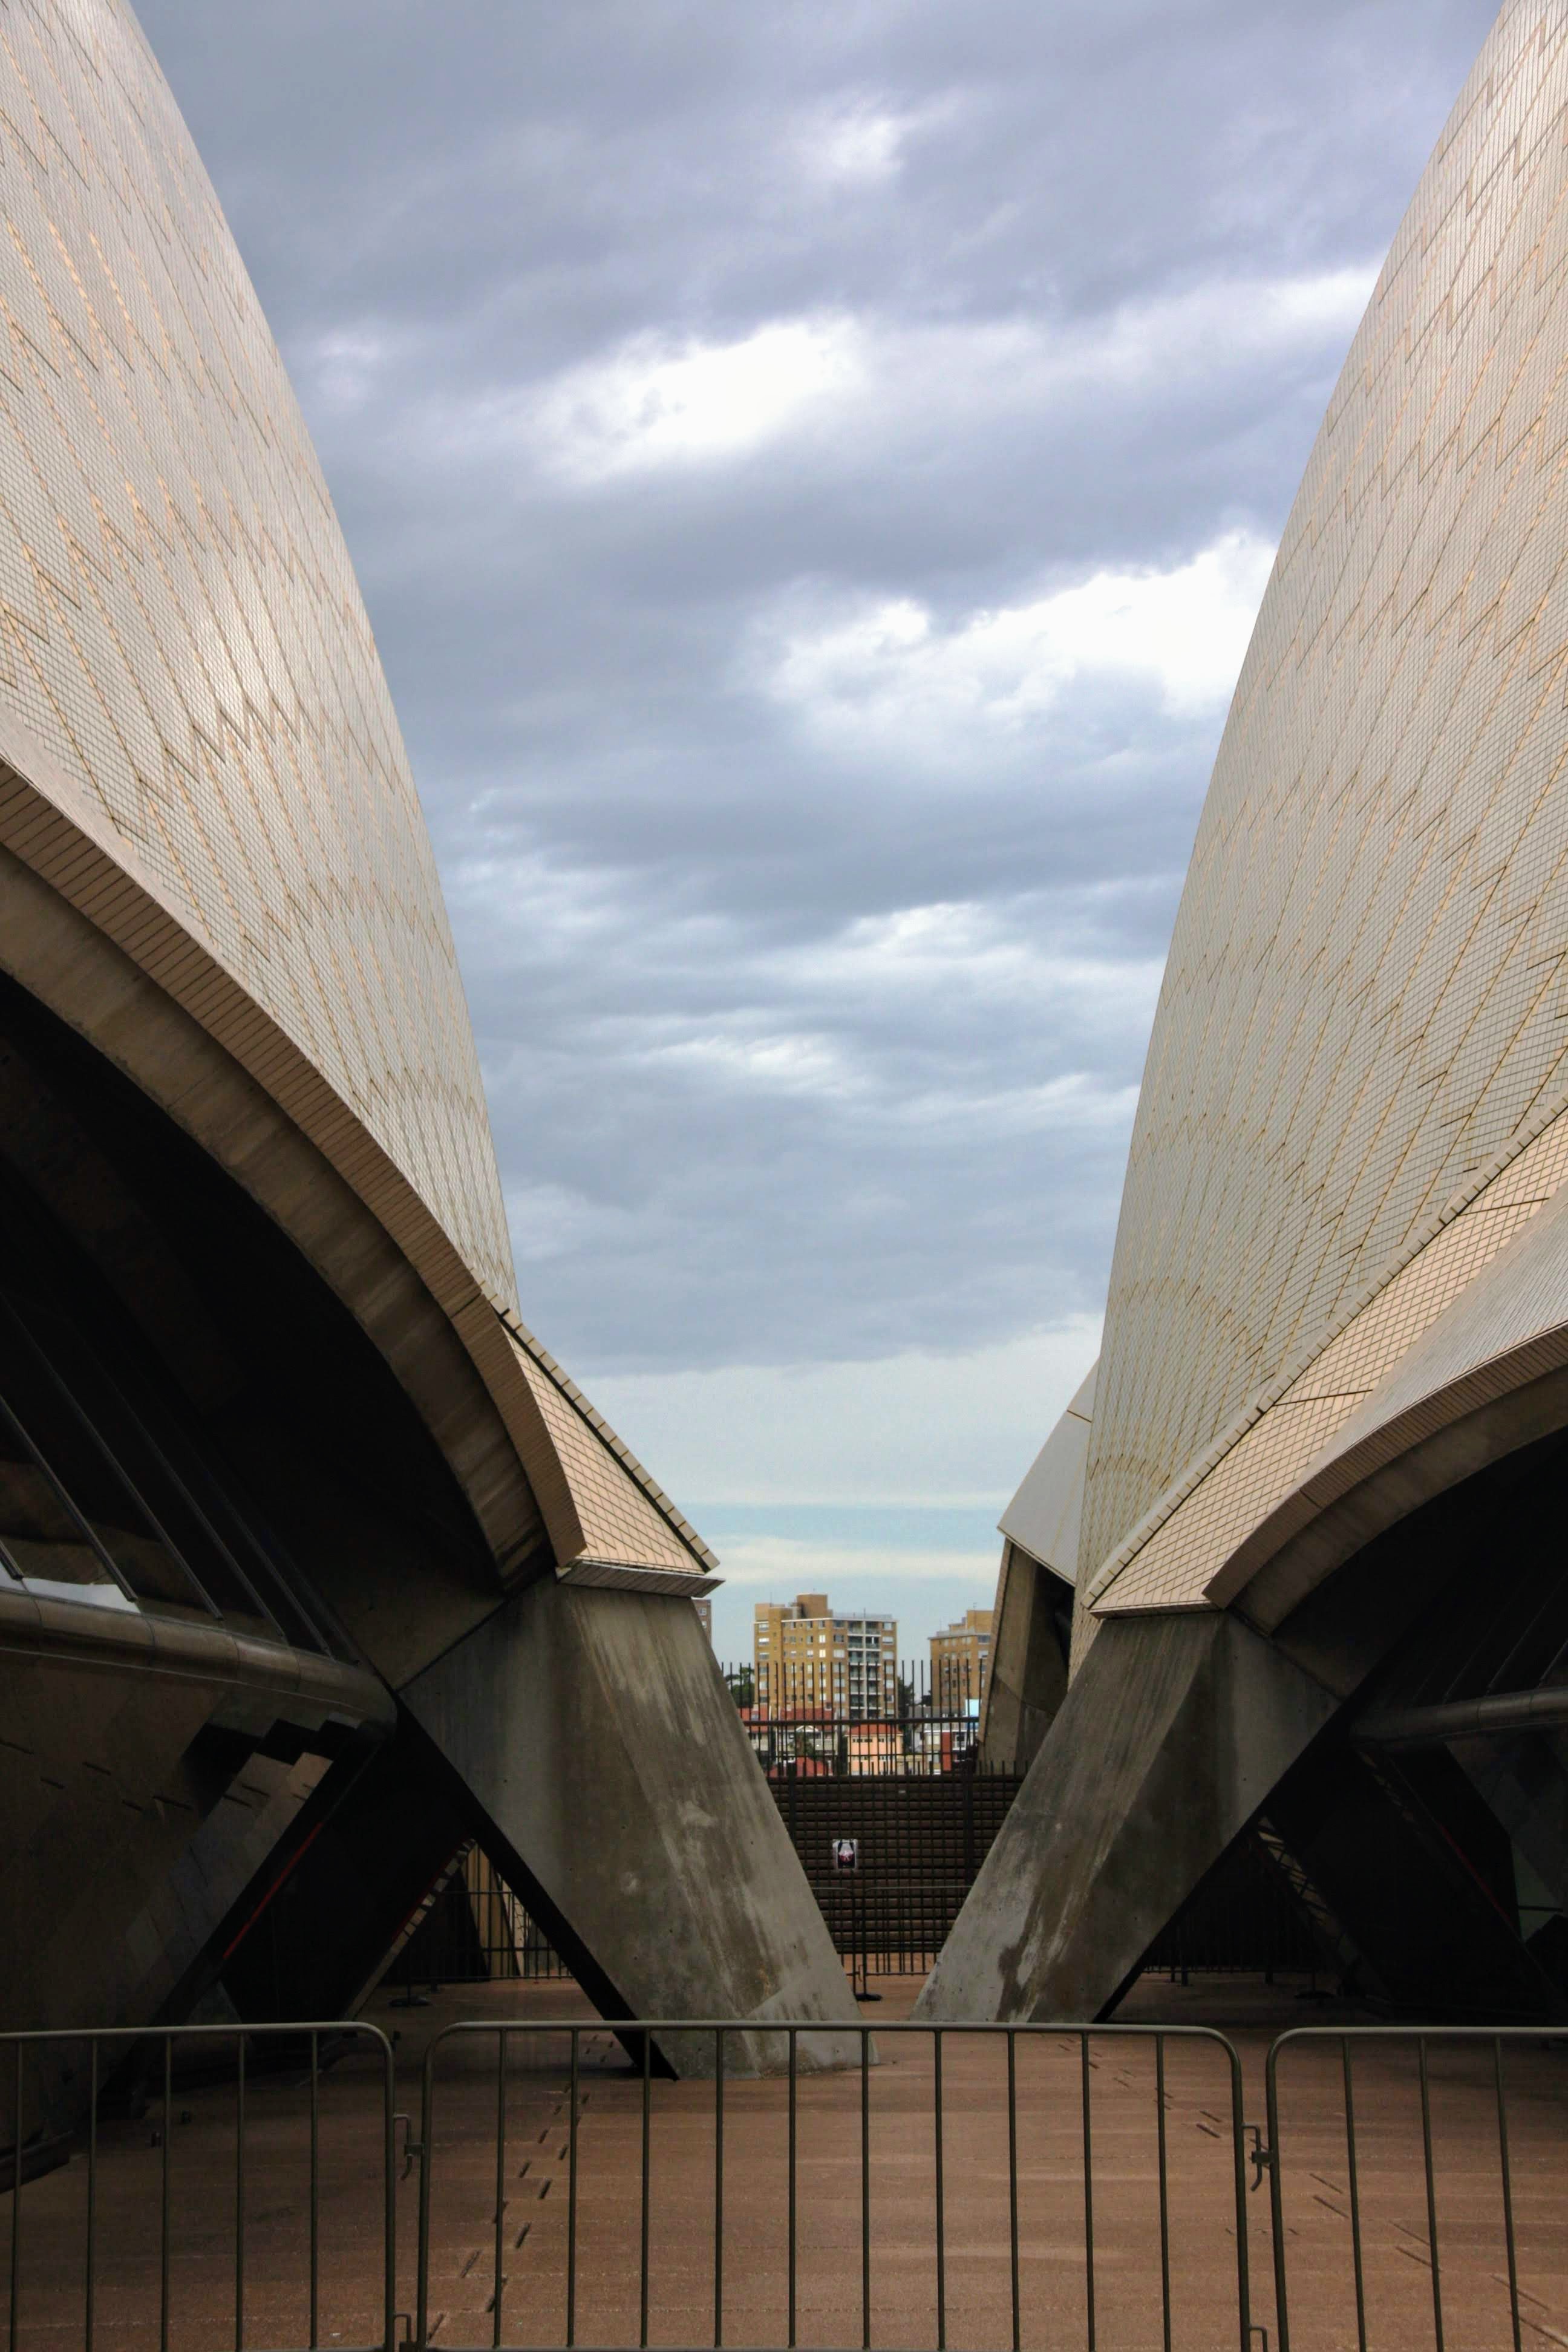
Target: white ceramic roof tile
183,638
1363,1009
169,552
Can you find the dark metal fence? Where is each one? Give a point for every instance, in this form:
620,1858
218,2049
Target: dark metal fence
1417,2185
974,2186
915,1845
931,1728
475,1931
1244,1917
891,1861
979,2184
178,2229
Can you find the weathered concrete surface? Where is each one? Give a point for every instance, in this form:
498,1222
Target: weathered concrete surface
1032,1632
594,1731
144,1779
1028,1662
1170,1739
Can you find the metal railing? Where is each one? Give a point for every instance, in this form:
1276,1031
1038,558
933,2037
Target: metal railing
803,1722
975,2185
1428,2094
107,2266
874,2286
918,1845
475,1930
1244,1917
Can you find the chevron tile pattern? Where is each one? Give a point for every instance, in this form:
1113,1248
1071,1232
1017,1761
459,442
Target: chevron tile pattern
179,622
1365,1010
1172,1559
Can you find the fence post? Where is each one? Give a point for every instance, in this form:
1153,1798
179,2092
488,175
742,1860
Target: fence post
1276,2197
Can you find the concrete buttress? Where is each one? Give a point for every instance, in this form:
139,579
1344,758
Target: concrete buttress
1170,1739
595,1733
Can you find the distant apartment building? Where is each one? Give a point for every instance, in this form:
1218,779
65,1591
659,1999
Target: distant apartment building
704,1608
805,1657
960,1664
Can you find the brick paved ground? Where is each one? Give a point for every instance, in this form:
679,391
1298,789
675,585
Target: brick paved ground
1052,2269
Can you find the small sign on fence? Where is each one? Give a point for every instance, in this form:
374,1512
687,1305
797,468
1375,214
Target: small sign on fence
846,1854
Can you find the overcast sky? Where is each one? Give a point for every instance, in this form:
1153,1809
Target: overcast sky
811,466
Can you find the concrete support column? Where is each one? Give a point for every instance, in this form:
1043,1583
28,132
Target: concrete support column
593,1732
1028,1662
1168,1739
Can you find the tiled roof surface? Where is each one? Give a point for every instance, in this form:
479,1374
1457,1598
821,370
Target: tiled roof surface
1365,1008
180,625
183,645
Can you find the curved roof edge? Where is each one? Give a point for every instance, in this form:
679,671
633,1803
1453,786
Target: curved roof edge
1043,1516
1175,1557
1474,1320
1485,1378
1363,999
616,1524
596,1502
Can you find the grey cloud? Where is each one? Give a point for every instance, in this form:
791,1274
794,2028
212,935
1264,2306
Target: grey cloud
732,1129
573,160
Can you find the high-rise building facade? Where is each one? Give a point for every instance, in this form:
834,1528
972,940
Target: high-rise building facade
803,1656
960,1664
1307,1507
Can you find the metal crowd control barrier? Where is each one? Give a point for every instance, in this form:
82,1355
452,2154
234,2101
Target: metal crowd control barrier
1032,2203
128,2260
1485,2184
1032,2185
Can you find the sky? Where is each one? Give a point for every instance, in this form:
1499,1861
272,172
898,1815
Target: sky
811,466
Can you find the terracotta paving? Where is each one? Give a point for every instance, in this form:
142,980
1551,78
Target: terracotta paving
837,2282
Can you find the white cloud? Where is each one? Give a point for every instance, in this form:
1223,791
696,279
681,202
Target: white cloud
658,404
864,387
777,1063
1219,324
347,368
857,1015
860,149
549,1220
852,144
849,1073
891,679
987,953
781,1566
